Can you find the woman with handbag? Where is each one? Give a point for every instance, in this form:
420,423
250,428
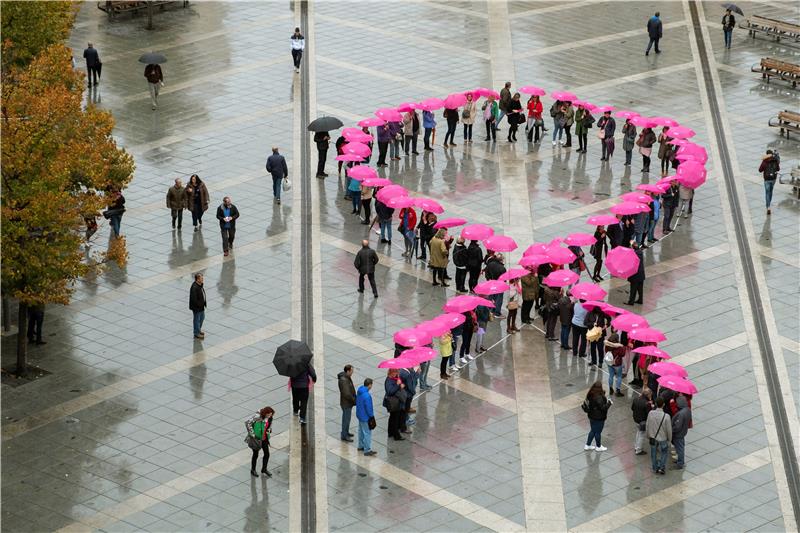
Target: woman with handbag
605,132
596,324
583,122
515,116
468,117
259,429
628,140
646,141
664,150
513,306
534,118
598,250
395,402
596,407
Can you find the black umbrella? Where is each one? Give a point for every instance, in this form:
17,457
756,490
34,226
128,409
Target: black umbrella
325,124
152,58
292,358
734,8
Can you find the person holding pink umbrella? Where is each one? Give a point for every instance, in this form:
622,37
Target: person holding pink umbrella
411,131
451,115
606,128
557,111
428,124
645,142
491,115
515,117
535,121
686,195
628,140
598,251
530,293
494,269
468,112
385,137
664,150
636,281
513,306
669,202
439,258
474,263
394,400
583,122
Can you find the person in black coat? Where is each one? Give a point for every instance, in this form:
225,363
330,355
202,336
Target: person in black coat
615,234
365,262
197,304
598,250
276,166
474,263
300,385
321,138
728,23
227,215
596,407
637,280
93,64
669,202
654,32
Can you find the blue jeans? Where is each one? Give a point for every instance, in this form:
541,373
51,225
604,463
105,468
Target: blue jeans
658,454
565,329
423,374
651,43
197,322
680,448
276,187
498,304
727,34
347,412
394,148
116,220
356,198
651,232
558,129
386,229
614,370
768,186
364,436
596,428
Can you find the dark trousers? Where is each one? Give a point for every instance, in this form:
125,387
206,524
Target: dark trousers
227,238
461,277
276,187
265,460
578,340
395,421
567,130
427,137
598,265
197,216
474,274
628,157
366,205
466,342
177,214
527,305
92,74
300,401
467,132
550,325
410,140
668,210
443,366
382,147
664,165
646,162
651,43
637,287
533,133
451,133
565,335
491,130
371,277
297,55
583,138
596,351
35,321
323,155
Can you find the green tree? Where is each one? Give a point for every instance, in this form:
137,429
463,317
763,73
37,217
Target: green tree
30,27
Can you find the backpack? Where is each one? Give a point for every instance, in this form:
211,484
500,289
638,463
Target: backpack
553,110
772,169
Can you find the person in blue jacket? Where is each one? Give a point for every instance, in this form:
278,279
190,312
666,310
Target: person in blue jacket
654,31
364,414
429,124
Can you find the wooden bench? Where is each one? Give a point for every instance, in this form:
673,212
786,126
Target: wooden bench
774,28
770,67
113,7
792,179
786,120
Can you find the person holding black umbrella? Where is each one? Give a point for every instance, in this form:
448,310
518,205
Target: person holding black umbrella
321,138
155,80
728,23
301,383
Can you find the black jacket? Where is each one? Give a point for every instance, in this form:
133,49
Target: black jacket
322,138
597,407
494,269
460,256
654,28
383,211
614,232
670,198
474,256
276,165
641,406
300,381
731,22
639,275
221,215
197,297
365,261
92,57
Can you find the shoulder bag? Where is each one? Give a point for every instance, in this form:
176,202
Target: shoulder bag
652,439
287,185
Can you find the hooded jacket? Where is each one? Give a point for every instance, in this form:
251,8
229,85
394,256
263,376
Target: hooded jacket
681,421
364,409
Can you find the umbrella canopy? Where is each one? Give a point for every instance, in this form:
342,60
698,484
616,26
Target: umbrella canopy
397,362
563,96
152,58
450,223
602,220
537,248
628,208
371,122
560,278
360,149
664,121
647,335
580,239
637,197
530,89
451,320
677,384
355,135
500,243
491,287
325,124
434,328
652,351
643,122
681,132
376,182
627,114
389,115
733,7
390,191
629,321
406,107
622,262
361,172
432,104
514,273
455,100
350,158
668,368
465,302
649,188
559,256
429,204
412,337
419,355
591,304
533,260
588,291
611,310
399,202
292,358
476,232
604,108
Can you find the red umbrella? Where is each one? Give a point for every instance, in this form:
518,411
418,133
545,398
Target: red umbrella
652,351
647,335
667,368
588,291
419,355
622,262
637,197
628,208
389,115
356,135
677,384
397,362
602,220
514,273
681,132
476,232
580,239
465,302
559,256
412,337
376,182
428,204
500,243
361,172
530,89
560,278
450,223
491,287
371,122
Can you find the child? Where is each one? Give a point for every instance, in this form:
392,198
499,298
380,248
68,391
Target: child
445,350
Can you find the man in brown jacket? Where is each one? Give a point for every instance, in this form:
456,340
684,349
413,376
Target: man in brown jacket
176,202
347,400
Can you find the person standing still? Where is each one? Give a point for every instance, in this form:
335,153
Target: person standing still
93,64
259,429
641,407
366,418
654,28
659,432
298,45
227,215
769,167
365,262
637,279
155,80
176,202
728,23
276,166
321,138
300,385
347,400
197,304
35,322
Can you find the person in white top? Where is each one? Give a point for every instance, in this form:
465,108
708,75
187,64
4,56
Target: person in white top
298,45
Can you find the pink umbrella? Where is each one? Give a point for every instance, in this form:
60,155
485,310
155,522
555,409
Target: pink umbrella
628,322
465,302
476,232
649,188
481,91
488,92
668,368
588,291
389,192
491,287
538,248
432,104
514,273
356,135
559,256
397,362
359,149
349,158
406,107
604,108
450,223
500,243
666,180
602,220
612,310
628,208
451,320
693,181
399,202
389,115
455,100
560,278
699,157
376,182
647,335
412,337
530,89
643,122
622,262
533,260
371,122
627,114
563,96
664,121
652,351
677,384
428,204
591,304
636,197
418,355
691,174
434,328
681,132
580,239
362,172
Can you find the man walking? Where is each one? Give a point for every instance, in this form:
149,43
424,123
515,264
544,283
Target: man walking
654,32
92,64
322,139
276,166
365,262
505,101
300,385
659,431
366,418
770,166
347,400
298,45
197,303
728,24
176,202
637,280
227,215
155,80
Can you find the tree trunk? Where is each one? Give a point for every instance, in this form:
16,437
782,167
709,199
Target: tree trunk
150,15
22,340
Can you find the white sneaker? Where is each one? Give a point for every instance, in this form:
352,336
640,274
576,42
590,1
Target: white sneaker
554,143
470,357
587,447
601,448
561,141
463,360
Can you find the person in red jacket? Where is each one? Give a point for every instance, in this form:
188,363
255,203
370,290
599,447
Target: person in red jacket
534,118
769,167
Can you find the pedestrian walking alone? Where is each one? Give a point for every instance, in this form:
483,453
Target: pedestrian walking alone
365,262
366,418
197,304
298,45
197,198
347,400
276,166
176,202
596,407
728,24
770,165
35,323
322,139
93,64
659,432
301,384
155,80
115,211
227,215
654,32
259,429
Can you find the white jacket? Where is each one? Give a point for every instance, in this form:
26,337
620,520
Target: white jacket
298,43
